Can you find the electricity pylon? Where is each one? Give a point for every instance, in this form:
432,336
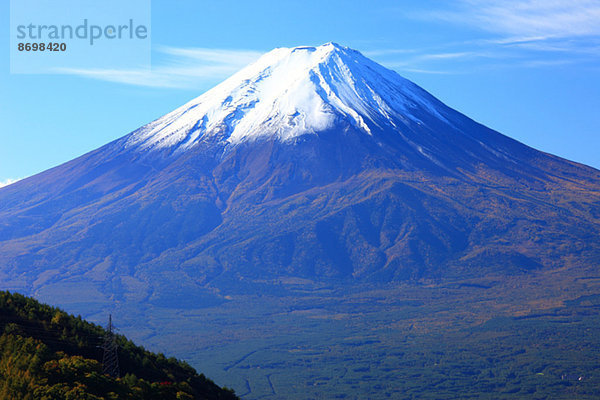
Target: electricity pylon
110,359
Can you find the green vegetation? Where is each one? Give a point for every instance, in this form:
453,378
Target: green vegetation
533,336
47,354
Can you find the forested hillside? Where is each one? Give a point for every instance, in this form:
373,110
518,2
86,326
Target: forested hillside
47,354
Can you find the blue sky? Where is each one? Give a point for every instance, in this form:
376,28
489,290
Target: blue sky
529,69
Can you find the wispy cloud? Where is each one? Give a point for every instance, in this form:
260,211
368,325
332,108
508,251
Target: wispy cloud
425,71
446,59
221,57
513,34
388,52
452,55
7,182
540,19
184,68
480,58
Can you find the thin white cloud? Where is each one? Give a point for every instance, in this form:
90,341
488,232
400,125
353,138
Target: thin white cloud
217,56
547,63
542,19
430,61
387,52
7,182
514,34
184,68
454,55
590,46
426,71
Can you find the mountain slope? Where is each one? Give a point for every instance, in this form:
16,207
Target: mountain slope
46,353
313,162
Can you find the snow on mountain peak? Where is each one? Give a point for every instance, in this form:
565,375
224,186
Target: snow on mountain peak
286,93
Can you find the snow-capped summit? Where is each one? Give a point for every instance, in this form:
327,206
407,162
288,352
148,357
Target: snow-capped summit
289,92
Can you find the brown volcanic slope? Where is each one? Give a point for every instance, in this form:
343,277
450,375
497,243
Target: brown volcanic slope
430,197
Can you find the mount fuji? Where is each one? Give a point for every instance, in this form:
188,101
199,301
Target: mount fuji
313,163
